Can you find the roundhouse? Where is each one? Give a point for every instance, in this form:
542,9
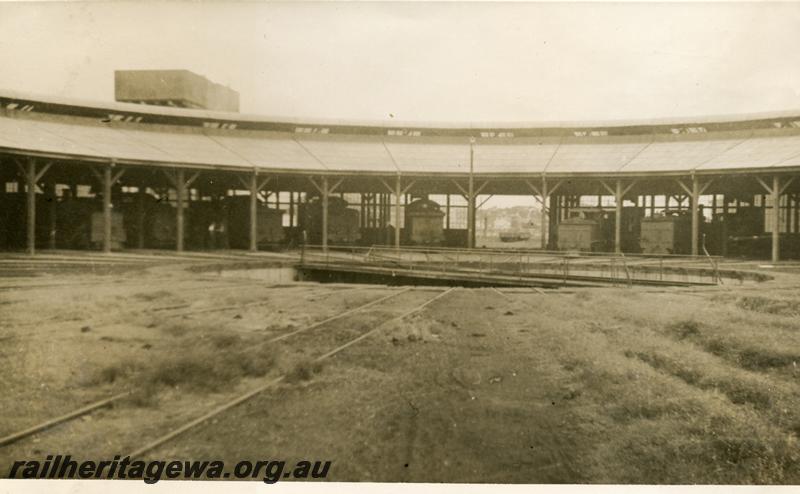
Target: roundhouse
734,175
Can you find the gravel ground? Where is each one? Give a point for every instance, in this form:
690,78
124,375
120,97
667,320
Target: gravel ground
598,386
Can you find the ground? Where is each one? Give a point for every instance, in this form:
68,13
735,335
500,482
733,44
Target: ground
617,385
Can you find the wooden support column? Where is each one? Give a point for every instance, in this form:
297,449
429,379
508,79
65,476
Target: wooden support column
31,212
291,209
107,180
53,210
724,247
471,209
254,211
398,190
554,220
776,218
325,193
140,214
695,191
254,187
180,191
544,193
362,219
618,199
181,183
32,177
470,194
776,191
619,192
325,190
447,212
695,215
107,208
545,218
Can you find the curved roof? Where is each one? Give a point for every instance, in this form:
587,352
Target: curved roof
138,134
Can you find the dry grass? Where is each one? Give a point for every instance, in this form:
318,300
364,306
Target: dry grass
159,295
769,305
204,362
304,370
413,329
663,407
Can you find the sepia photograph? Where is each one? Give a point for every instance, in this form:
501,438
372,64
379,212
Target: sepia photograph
411,244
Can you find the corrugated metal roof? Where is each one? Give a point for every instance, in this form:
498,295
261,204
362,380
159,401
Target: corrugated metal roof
268,151
419,157
393,123
516,158
147,143
349,154
756,153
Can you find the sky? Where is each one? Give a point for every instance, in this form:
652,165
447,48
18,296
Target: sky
451,63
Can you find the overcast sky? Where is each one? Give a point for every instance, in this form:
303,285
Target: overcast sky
450,62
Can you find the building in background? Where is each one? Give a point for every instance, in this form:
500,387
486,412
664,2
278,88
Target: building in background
177,88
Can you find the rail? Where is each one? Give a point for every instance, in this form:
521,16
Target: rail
622,269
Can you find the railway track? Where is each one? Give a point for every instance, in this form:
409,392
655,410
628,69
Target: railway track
340,346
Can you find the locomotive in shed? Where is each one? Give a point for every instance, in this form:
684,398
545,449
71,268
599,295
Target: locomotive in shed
343,222
423,223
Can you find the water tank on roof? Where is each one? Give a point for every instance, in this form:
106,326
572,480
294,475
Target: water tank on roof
178,88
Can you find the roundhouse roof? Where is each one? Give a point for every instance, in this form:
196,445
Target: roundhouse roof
148,135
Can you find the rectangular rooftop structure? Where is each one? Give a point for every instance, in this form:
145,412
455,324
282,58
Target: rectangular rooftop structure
177,88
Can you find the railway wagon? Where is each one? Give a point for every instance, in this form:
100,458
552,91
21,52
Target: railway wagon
423,223
579,234
343,222
668,234
269,223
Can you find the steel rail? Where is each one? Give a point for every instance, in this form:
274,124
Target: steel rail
250,394
237,306
12,438
338,316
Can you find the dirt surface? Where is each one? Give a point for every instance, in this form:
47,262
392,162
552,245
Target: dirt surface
600,385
